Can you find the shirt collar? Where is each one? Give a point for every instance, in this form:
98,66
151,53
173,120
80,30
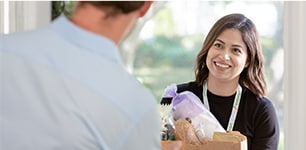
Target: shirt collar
86,40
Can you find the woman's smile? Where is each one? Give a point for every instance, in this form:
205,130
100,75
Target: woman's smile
222,65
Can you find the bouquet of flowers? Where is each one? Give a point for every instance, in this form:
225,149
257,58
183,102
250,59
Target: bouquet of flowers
167,120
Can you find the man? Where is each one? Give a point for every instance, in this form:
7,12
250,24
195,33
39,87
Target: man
63,86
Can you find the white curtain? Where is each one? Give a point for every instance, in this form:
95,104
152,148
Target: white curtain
295,74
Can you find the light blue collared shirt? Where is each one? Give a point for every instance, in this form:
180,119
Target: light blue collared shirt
62,87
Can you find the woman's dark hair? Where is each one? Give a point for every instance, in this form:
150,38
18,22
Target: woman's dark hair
251,77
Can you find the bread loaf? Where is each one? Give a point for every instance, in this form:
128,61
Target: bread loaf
184,131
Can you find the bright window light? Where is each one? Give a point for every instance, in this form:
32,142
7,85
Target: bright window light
6,25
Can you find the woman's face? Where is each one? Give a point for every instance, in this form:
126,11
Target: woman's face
227,57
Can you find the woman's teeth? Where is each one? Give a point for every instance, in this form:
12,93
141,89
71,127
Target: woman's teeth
222,65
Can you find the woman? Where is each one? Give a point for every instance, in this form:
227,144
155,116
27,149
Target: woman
229,81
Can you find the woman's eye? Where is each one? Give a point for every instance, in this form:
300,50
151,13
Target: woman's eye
236,50
218,45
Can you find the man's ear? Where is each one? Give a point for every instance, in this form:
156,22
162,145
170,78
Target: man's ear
145,8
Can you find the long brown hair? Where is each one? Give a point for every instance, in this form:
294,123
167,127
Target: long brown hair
251,77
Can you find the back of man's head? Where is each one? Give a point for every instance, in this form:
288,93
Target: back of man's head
116,7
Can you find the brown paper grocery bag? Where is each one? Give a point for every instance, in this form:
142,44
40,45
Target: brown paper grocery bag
210,145
185,132
216,145
221,141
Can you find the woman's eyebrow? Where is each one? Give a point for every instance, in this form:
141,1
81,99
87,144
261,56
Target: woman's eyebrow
220,41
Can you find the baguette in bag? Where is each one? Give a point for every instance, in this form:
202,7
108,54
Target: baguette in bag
221,140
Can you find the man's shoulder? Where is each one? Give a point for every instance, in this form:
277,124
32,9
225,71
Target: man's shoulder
26,38
27,33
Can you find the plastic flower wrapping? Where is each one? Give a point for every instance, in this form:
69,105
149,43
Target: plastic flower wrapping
167,120
186,105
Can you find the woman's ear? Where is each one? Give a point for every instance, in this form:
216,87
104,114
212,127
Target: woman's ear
145,8
246,64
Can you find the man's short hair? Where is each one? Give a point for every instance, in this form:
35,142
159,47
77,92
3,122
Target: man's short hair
116,7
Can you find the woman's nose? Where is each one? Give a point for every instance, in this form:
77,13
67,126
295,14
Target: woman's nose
225,56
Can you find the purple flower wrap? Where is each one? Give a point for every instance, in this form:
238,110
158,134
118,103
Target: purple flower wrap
186,105
170,91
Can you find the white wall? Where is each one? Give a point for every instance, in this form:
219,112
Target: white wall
26,15
295,74
2,17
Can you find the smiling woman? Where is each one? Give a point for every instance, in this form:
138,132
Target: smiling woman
172,38
229,81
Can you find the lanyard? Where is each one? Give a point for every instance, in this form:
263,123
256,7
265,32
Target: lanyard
236,103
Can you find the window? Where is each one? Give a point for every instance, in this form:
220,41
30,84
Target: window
4,17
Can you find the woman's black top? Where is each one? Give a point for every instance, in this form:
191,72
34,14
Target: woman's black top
256,117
